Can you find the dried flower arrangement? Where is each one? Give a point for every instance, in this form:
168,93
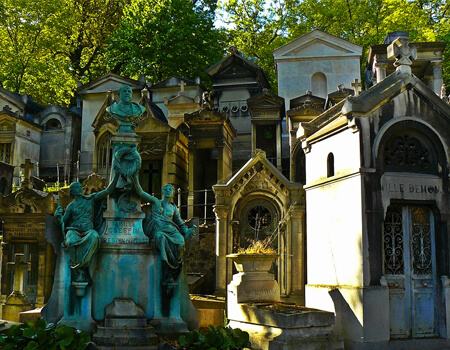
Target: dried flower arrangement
257,246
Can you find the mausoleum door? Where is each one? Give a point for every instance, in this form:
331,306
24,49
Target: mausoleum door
410,270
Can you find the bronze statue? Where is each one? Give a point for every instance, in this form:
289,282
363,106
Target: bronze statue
168,230
125,111
81,240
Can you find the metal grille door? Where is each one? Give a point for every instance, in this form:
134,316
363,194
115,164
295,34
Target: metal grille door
410,271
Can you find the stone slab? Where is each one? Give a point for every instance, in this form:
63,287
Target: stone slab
281,315
30,316
273,338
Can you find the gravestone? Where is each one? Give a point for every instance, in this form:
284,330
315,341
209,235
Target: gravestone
17,301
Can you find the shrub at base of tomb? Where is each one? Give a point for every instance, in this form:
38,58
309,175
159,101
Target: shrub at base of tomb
43,335
220,338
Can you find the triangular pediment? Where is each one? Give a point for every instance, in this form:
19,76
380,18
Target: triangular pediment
317,44
258,174
148,124
180,99
7,123
108,82
235,71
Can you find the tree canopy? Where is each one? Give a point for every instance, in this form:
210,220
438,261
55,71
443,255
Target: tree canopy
164,38
50,46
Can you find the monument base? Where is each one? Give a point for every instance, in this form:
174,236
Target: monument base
86,325
15,303
125,325
169,326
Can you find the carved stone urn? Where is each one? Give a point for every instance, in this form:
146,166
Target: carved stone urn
252,263
253,282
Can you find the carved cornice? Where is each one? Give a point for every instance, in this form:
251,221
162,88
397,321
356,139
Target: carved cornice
28,201
259,178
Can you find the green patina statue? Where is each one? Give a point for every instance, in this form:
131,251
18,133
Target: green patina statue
81,240
168,231
125,111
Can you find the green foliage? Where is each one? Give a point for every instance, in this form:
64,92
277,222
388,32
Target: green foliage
220,338
164,38
43,336
257,29
50,45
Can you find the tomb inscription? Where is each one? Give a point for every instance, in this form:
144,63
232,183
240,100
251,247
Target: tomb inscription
23,230
123,232
407,186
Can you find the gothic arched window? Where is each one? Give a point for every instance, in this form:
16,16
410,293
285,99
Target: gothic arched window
104,152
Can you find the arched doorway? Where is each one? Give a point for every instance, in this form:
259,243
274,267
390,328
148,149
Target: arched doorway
413,163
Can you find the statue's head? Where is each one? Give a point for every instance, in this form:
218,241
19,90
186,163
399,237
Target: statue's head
75,189
125,93
168,190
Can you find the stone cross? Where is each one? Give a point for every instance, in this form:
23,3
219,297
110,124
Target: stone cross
27,168
356,85
19,267
182,84
402,52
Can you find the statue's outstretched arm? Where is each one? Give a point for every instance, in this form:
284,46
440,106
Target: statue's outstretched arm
144,196
109,190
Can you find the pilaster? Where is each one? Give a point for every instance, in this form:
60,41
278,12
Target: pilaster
221,212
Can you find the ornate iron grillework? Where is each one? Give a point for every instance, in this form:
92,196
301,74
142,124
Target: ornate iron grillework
406,151
393,242
421,241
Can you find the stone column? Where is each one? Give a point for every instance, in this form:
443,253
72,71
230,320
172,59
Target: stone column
40,294
253,137
220,157
297,261
380,68
227,163
221,212
437,76
278,132
190,201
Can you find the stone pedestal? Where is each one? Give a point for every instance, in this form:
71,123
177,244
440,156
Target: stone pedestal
125,325
253,305
77,303
167,318
123,270
253,282
15,303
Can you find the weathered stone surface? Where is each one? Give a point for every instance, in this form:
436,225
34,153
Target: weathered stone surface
125,325
285,327
253,283
14,305
274,338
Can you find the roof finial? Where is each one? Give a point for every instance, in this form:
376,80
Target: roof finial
403,53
